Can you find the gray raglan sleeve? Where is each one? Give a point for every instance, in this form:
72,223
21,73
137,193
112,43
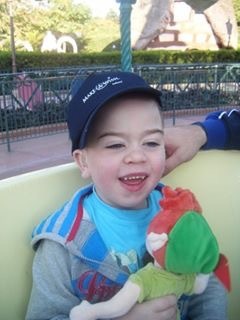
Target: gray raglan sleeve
52,296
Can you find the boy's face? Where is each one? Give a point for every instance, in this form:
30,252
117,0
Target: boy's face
125,153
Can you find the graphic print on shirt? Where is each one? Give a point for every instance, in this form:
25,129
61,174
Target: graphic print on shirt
93,287
129,261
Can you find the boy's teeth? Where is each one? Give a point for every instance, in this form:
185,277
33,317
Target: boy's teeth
133,178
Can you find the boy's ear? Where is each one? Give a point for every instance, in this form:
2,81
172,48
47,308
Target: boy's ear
80,157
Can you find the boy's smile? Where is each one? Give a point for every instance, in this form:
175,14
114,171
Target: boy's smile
125,153
133,182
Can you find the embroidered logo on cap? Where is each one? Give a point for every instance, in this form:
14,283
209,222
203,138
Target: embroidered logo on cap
100,86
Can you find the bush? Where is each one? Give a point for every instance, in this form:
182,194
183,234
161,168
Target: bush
37,60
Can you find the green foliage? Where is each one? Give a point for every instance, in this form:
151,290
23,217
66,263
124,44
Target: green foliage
66,17
37,60
111,15
4,25
100,33
31,23
236,5
5,60
113,46
191,56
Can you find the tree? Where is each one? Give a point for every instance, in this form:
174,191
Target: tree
112,15
32,22
4,25
236,5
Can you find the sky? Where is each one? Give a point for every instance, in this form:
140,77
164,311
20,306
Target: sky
101,7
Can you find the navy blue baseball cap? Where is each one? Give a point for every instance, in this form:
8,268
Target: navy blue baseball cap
95,91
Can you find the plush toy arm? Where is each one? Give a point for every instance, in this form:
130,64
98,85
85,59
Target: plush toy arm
117,306
201,283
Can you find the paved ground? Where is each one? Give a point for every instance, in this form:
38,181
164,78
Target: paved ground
33,154
47,151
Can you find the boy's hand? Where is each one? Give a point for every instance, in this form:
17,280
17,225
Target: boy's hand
164,308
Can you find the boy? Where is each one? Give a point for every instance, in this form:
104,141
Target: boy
87,249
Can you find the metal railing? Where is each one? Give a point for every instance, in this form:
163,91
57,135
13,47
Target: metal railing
34,103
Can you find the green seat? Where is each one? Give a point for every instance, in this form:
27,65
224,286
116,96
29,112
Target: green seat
214,176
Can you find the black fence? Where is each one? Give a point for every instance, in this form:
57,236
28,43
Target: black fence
34,103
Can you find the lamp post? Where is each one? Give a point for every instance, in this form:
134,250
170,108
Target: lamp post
125,29
229,27
10,8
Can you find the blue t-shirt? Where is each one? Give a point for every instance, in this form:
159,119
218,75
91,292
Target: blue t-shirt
123,230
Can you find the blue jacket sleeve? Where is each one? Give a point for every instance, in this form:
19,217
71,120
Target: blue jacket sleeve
222,130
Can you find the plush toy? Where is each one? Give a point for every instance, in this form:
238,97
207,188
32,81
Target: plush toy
185,252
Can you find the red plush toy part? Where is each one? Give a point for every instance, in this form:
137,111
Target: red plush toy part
222,272
174,204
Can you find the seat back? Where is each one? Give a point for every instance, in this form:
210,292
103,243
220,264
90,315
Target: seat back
214,177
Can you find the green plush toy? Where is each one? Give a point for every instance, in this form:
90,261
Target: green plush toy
185,253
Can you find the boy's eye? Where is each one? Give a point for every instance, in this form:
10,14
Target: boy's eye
115,146
152,144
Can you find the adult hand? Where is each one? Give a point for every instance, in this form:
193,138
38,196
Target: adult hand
182,144
164,308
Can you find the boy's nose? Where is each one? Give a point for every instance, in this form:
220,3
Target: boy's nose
134,156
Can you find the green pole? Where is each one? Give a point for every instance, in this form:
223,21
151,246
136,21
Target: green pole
125,30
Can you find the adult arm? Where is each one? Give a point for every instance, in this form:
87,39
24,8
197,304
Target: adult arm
220,130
